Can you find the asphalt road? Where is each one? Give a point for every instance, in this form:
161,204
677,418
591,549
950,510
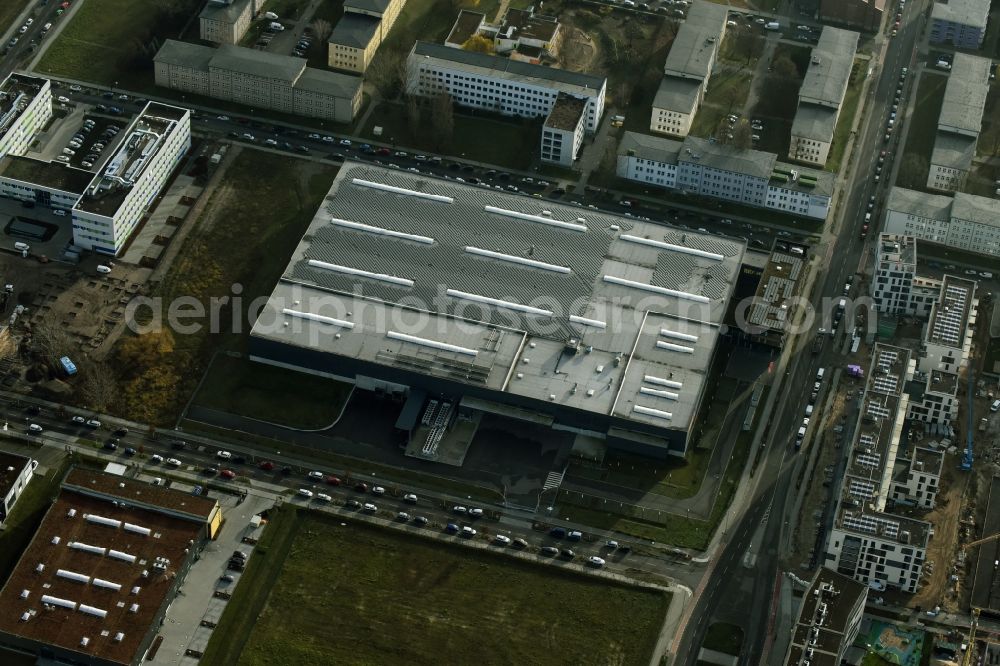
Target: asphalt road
17,54
751,591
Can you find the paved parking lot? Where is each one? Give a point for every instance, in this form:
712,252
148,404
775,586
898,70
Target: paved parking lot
182,628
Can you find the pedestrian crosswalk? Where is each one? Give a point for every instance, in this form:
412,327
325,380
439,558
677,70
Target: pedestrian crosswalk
553,480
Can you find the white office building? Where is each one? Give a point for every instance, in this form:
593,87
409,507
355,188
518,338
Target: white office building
868,541
52,184
25,108
15,474
959,123
117,199
964,221
700,167
499,84
688,68
822,95
563,130
829,620
960,22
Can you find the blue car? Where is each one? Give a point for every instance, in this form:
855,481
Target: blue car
452,528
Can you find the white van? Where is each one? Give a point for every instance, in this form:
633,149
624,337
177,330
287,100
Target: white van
21,247
995,407
820,373
772,25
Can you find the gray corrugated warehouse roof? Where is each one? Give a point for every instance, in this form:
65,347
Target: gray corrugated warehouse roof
355,30
503,282
965,95
507,68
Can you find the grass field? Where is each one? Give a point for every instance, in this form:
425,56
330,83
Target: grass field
922,129
727,92
241,386
846,118
10,10
244,236
25,517
360,595
106,41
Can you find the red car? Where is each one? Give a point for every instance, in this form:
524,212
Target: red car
333,480
65,5
382,151
266,465
361,487
227,474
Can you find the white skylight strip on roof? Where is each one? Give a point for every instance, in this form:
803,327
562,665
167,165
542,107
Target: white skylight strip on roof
656,290
56,601
72,575
670,246
138,529
358,226
92,610
101,520
402,190
119,555
315,317
669,395
649,411
653,379
672,347
347,270
596,323
107,584
476,298
677,335
433,344
517,260
572,226
96,550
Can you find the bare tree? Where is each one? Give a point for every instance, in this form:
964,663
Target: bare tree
321,28
743,135
100,387
387,72
50,341
413,115
723,132
442,121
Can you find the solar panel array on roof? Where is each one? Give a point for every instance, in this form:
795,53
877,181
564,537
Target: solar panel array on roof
949,316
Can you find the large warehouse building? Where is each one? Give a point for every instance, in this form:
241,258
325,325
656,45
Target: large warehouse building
504,303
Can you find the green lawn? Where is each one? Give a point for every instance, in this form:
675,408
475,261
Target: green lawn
922,128
846,119
10,10
505,142
268,393
244,236
723,637
727,92
110,42
355,594
665,527
26,516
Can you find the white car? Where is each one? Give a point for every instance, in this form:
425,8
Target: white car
323,497
611,545
468,532
222,118
79,419
270,142
223,455
345,142
460,509
378,490
94,423
35,428
986,275
304,492
156,457
63,99
369,507
476,513
173,462
502,540
328,139
75,88
319,476
596,561
410,498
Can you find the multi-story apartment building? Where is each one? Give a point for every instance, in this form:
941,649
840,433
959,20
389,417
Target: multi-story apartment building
895,269
143,160
868,541
360,31
499,84
829,620
258,79
946,348
25,108
863,15
688,68
961,22
965,221
226,21
15,474
959,122
750,177
773,307
917,479
821,96
563,130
